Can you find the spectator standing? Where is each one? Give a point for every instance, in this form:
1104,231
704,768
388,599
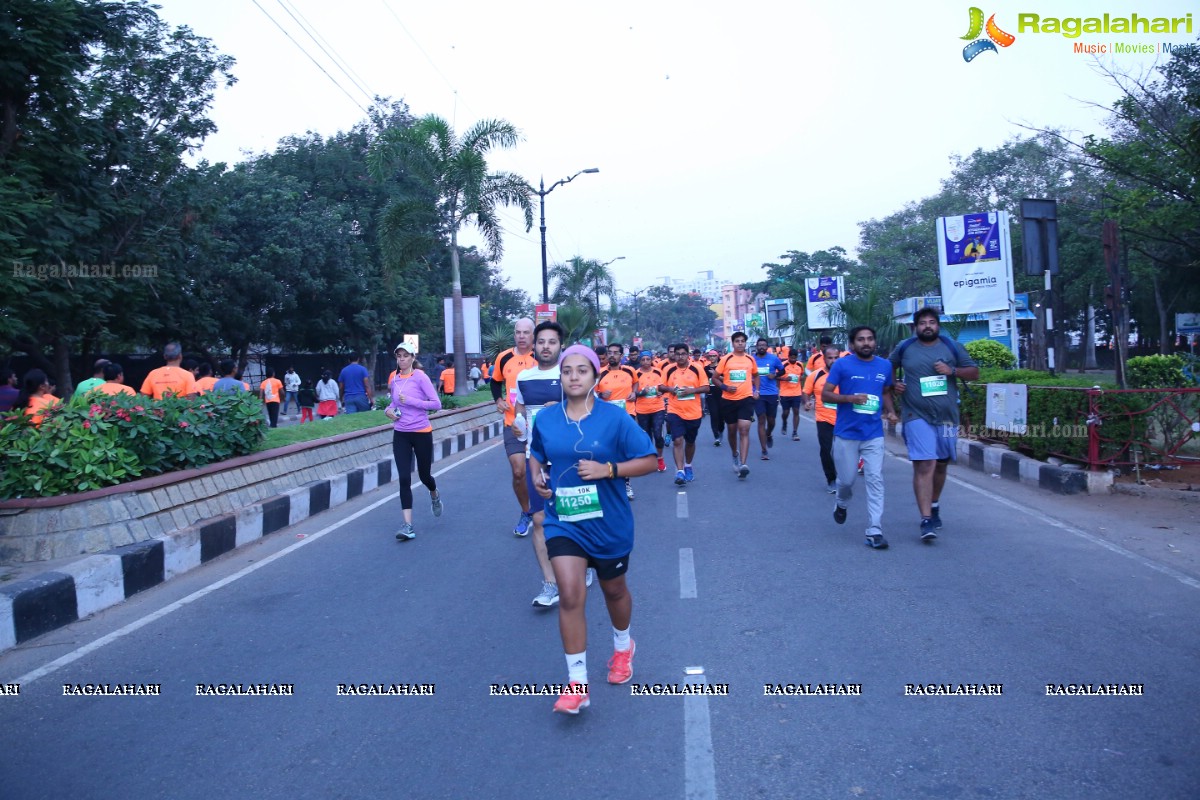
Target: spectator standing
355,383
227,382
307,398
35,396
291,390
171,379
114,381
327,396
446,381
475,375
91,383
269,390
8,389
205,381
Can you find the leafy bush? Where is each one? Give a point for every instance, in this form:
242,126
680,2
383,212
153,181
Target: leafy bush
988,353
1156,372
118,438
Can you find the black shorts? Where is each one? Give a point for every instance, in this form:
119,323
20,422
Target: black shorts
681,428
606,568
734,410
788,403
767,405
512,445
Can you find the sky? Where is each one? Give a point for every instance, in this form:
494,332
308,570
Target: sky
726,134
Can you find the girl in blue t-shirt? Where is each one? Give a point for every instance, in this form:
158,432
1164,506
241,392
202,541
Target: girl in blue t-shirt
579,452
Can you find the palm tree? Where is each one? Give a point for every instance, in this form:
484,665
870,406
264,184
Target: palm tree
455,175
579,281
577,320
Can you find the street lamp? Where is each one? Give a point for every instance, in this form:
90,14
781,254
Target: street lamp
637,328
541,192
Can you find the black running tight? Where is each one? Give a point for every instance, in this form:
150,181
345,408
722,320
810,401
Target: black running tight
405,445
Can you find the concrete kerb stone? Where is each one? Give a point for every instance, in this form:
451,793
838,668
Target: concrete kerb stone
249,524
181,551
337,489
8,632
99,583
298,505
991,459
370,478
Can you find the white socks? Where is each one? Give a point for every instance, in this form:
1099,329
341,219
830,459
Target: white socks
621,639
577,667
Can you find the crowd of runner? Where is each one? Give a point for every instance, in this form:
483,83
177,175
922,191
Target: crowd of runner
579,424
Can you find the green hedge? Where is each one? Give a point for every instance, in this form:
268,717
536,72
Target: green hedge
1057,414
118,438
990,353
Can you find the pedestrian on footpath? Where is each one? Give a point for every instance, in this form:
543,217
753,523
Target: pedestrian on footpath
580,449
932,365
355,383
269,391
860,385
327,396
770,369
736,376
291,391
509,364
683,384
475,375
826,417
651,413
791,393
307,398
412,398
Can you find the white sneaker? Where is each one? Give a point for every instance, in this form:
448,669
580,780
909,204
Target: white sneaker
590,577
548,597
629,490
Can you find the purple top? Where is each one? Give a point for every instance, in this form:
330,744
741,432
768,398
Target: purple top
419,399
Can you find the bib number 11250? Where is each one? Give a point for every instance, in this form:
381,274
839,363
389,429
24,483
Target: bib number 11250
577,503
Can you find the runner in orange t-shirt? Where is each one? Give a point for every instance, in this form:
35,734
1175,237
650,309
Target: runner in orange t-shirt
509,364
736,376
683,383
826,416
447,380
171,379
651,413
791,387
114,381
271,392
618,385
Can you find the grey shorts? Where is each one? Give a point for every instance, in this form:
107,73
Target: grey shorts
512,445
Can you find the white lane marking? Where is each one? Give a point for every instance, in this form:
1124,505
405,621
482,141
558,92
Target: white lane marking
681,505
699,775
199,594
687,574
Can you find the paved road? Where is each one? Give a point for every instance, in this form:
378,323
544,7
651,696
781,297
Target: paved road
1009,595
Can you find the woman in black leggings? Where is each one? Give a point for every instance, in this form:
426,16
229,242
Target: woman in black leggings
412,398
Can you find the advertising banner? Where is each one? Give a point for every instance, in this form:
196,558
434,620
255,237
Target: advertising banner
822,296
975,257
1187,324
545,312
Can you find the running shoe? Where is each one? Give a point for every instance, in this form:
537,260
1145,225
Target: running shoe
688,474
937,518
435,504
765,457
628,489
928,530
770,440
783,428
620,666
860,466
662,465
743,471
839,515
406,532
573,699
522,526
795,437
831,487
548,597
589,577
876,541
680,477
716,442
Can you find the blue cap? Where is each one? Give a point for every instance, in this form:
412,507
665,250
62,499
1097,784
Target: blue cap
647,354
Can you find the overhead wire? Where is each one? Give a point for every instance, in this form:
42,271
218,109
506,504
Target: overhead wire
335,57
317,63
428,58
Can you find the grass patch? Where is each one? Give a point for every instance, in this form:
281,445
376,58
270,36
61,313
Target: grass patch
322,429
476,397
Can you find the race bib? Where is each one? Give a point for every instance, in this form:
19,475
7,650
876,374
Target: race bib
532,412
763,370
933,386
512,397
652,391
869,407
793,378
577,503
620,403
737,376
684,393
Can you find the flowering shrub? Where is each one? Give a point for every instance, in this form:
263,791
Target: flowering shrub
117,438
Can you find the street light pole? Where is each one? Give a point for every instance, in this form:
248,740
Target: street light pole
541,192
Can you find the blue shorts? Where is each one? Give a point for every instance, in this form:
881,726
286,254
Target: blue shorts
536,501
930,442
767,405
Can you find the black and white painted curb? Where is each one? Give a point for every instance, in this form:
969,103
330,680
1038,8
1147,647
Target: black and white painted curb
1002,462
45,602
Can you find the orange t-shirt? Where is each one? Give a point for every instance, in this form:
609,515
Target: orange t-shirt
813,386
690,377
447,379
620,381
484,369
167,381
204,385
649,381
737,371
271,389
38,405
791,383
509,365
109,387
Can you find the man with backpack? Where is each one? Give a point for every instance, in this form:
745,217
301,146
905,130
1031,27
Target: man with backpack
932,365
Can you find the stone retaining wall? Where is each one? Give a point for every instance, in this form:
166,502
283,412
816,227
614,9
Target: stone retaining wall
46,528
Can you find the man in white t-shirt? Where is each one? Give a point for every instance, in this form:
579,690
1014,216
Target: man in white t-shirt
291,389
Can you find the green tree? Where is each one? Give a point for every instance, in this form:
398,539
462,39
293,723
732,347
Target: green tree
581,281
454,173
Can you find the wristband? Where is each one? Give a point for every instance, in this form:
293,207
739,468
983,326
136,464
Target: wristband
612,471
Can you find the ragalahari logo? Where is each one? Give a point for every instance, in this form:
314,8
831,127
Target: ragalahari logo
995,36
